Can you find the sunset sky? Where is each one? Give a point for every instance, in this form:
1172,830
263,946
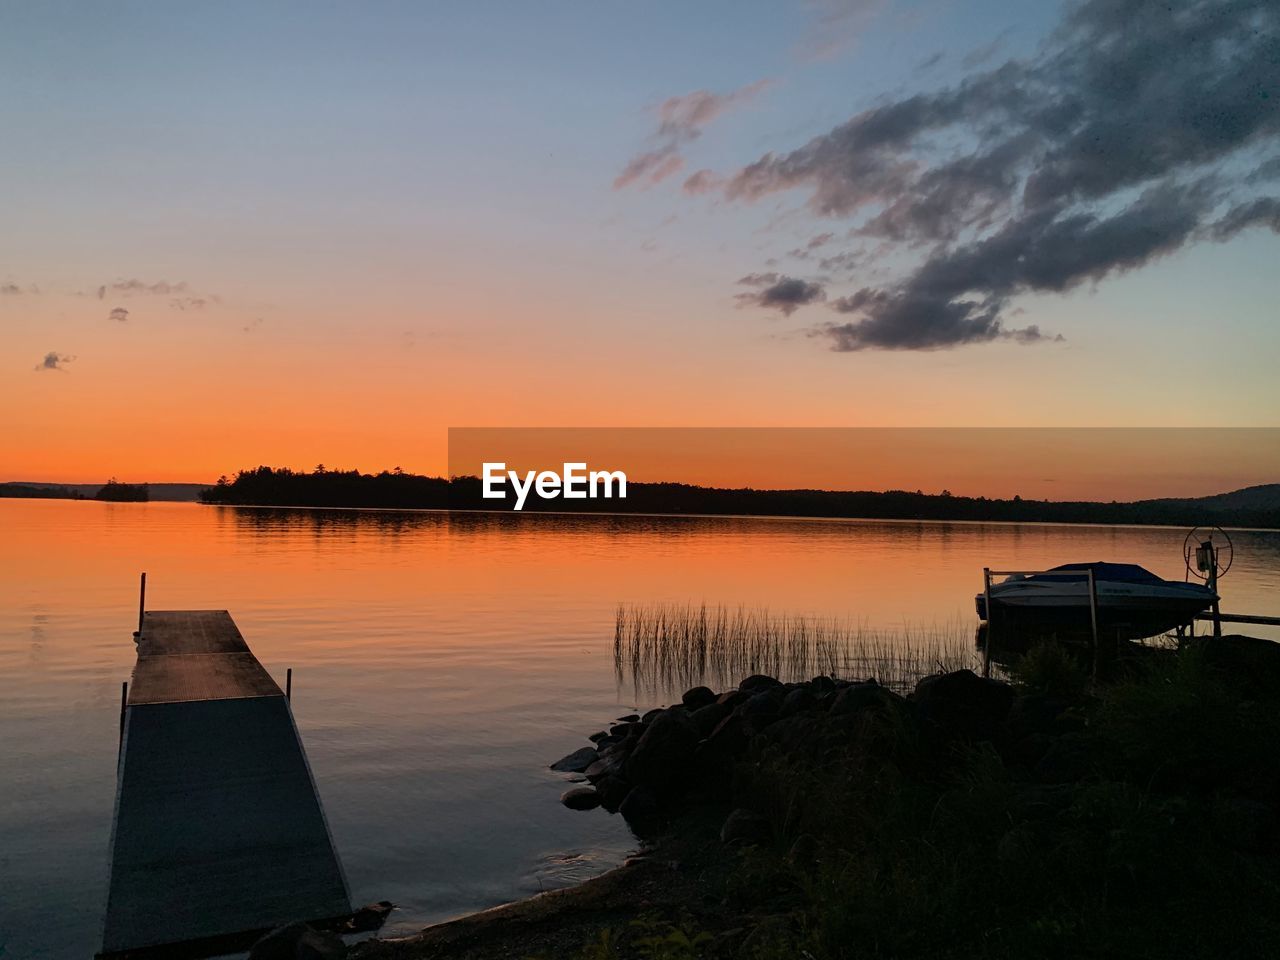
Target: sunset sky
244,233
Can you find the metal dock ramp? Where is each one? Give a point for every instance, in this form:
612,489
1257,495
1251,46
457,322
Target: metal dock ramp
218,832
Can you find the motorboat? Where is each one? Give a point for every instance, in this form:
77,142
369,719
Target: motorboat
1132,602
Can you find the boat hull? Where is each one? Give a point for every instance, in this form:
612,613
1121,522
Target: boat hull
1030,609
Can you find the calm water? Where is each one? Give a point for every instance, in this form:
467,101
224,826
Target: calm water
440,663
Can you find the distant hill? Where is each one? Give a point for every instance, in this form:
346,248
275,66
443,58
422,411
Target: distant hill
177,492
1265,496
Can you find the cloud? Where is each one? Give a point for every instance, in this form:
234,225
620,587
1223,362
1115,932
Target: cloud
138,286
1260,212
191,303
54,361
10,289
703,181
803,253
787,294
118,313
681,119
836,26
758,279
1134,131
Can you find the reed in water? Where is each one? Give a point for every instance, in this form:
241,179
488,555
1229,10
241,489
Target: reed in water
669,647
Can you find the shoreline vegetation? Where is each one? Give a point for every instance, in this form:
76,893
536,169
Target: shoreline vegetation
1257,506
1049,815
113,491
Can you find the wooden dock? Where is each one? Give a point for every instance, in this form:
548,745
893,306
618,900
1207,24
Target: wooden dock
219,834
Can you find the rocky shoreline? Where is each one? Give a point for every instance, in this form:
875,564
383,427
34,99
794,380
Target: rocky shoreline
1047,816
652,768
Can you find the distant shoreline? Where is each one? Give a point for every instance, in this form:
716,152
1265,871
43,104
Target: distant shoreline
1252,508
803,518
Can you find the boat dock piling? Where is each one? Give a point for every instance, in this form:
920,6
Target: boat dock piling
218,834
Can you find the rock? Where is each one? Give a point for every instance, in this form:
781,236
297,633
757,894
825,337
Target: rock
709,717
698,697
641,809
758,682
598,736
652,715
604,767
576,762
297,941
857,697
761,710
580,798
613,744
745,827
627,729
629,718
663,755
728,740
371,916
798,734
964,703
821,685
731,698
613,789
799,700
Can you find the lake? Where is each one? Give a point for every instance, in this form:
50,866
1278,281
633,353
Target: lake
440,663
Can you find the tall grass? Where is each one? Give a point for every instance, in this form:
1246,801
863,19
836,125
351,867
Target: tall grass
666,648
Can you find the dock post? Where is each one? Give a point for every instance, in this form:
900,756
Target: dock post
991,616
1213,585
142,601
124,704
288,684
1093,619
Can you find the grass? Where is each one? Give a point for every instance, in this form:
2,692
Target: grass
665,647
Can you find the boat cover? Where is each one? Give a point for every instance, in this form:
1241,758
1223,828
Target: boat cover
1111,572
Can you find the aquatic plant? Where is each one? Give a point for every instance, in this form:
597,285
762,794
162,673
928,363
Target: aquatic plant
662,648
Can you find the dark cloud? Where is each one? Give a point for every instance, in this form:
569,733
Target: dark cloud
787,294
958,294
930,62
9,289
1133,131
805,252
681,119
1260,212
118,313
54,361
